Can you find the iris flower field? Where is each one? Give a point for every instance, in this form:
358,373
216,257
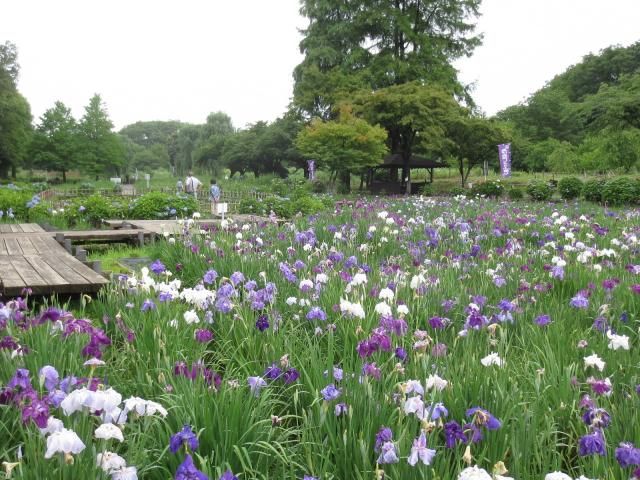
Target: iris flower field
394,339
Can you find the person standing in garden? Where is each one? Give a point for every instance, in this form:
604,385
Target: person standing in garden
214,196
192,185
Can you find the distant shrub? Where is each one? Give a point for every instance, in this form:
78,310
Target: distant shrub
621,191
515,193
426,190
154,205
539,191
87,187
318,186
93,209
13,202
307,205
592,190
456,191
491,188
252,206
570,187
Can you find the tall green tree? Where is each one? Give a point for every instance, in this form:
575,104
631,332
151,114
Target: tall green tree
415,117
15,114
208,150
101,151
56,141
623,148
473,140
343,145
372,44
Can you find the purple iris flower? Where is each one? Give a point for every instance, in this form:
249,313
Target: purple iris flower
38,411
210,277
627,455
592,444
388,453
256,384
483,418
273,372
236,278
438,323
291,375
186,437
203,335
316,313
165,297
157,267
341,409
188,471
20,379
330,392
596,418
148,305
579,301
384,435
453,433
543,320
49,377
262,323
401,354
56,397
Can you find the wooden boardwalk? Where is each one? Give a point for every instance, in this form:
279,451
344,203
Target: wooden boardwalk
31,258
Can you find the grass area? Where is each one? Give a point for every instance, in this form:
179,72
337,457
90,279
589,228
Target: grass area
110,257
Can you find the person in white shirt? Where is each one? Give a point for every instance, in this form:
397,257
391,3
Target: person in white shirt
192,185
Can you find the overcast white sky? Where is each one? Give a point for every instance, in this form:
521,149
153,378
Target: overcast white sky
162,60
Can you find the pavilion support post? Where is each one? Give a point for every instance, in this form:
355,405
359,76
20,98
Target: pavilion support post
67,244
141,239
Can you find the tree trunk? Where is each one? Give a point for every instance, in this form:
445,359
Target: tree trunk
64,176
13,171
345,177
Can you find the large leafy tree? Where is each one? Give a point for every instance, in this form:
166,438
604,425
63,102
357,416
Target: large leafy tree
101,151
15,114
208,151
56,141
415,117
372,44
343,145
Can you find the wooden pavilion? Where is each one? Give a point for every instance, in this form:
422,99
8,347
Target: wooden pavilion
391,182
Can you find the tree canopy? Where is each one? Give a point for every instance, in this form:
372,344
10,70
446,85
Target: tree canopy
572,123
343,145
373,44
15,114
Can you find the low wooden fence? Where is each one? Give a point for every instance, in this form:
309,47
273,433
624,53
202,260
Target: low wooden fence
231,197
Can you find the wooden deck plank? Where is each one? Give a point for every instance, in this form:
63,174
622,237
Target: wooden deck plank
81,269
36,228
47,273
9,277
45,245
5,228
64,270
26,246
3,247
13,248
29,275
